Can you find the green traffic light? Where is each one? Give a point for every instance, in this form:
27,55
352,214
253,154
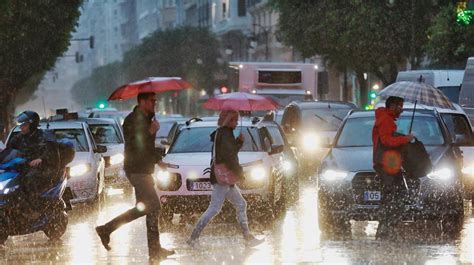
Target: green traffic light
101,106
373,95
465,17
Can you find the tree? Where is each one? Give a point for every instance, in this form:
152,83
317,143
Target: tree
33,33
449,43
377,37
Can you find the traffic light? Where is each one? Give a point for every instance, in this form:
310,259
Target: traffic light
465,12
373,95
102,104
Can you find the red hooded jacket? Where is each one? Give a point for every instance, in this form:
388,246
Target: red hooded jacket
384,129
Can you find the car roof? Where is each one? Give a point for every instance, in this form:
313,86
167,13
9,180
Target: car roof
310,104
246,122
371,113
58,125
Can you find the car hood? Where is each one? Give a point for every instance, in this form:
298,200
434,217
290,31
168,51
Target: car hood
360,158
204,158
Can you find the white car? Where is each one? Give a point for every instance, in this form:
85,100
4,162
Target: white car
184,185
109,132
86,171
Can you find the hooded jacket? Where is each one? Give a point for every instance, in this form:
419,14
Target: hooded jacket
227,149
385,130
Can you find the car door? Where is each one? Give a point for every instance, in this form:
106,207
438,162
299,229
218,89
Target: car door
98,161
277,154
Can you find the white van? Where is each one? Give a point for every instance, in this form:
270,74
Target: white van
466,96
448,81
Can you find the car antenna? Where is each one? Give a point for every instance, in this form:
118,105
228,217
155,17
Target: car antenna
44,109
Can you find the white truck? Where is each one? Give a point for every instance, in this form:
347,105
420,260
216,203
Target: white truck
283,82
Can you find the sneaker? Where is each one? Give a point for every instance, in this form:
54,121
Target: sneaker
252,241
162,253
192,242
104,236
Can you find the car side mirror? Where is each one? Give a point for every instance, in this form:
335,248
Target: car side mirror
101,149
165,142
276,149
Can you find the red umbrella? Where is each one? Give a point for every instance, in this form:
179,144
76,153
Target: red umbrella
151,84
241,102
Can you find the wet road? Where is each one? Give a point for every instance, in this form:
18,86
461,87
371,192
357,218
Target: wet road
293,238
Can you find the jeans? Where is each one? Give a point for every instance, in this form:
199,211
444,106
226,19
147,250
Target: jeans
219,194
147,203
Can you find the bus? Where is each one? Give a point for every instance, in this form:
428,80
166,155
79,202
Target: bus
283,82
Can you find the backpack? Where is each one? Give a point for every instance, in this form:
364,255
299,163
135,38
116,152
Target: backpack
416,160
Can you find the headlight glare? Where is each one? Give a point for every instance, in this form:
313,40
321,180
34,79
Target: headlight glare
79,170
310,141
441,174
163,176
333,175
258,173
116,159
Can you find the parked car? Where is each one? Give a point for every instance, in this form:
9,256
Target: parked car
108,113
86,171
308,124
349,189
184,185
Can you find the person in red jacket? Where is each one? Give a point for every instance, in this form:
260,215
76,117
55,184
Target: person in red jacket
387,161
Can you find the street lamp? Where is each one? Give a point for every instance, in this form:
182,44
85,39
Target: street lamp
265,30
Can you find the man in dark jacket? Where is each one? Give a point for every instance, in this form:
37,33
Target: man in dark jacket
387,161
140,129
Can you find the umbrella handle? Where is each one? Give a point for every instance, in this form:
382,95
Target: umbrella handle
412,117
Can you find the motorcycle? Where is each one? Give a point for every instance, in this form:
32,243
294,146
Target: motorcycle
50,217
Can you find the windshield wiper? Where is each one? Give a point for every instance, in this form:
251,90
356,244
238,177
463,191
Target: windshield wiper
321,118
337,117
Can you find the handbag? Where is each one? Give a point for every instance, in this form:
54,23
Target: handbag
224,176
416,160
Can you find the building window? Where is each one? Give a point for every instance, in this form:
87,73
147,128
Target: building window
242,10
224,10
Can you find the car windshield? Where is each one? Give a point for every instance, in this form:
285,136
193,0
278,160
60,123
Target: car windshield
192,140
357,132
324,119
105,134
76,136
165,128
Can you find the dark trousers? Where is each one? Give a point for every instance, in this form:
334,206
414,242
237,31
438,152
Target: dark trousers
392,205
147,203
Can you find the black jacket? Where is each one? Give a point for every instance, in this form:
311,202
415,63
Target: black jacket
32,145
140,155
227,149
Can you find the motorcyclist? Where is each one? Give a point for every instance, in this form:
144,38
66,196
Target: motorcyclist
42,157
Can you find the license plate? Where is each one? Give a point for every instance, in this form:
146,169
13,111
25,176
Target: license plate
372,195
201,186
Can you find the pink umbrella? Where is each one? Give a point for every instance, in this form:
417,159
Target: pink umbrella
241,102
151,84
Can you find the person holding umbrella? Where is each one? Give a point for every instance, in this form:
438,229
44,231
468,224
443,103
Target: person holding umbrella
387,161
140,128
225,151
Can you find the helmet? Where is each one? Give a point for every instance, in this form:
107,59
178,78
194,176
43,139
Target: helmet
29,116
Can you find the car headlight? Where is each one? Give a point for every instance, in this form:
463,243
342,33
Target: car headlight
310,141
469,170
441,174
333,175
258,173
116,159
79,170
163,176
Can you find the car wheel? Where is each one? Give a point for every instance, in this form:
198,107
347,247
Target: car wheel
57,227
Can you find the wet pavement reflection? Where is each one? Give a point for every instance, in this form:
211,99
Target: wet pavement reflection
293,238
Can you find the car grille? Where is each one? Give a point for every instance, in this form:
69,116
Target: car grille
362,182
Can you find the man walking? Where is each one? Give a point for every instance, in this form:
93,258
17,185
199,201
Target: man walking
140,128
387,161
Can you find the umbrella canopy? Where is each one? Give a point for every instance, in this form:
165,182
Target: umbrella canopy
151,84
417,92
241,102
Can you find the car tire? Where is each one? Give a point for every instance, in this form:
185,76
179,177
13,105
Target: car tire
58,226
